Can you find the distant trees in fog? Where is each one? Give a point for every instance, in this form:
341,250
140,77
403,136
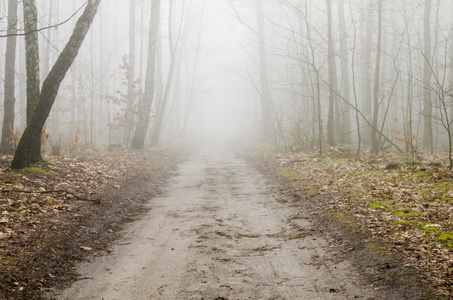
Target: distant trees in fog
368,74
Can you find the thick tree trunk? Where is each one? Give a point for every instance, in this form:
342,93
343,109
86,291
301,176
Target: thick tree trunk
7,143
29,148
31,55
138,140
377,72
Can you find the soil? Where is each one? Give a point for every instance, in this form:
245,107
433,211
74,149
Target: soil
226,227
72,207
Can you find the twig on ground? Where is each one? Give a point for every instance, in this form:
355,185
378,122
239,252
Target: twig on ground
53,191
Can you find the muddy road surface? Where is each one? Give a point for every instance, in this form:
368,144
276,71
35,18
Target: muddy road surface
220,232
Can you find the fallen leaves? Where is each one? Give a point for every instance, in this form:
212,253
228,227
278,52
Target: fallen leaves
409,206
45,228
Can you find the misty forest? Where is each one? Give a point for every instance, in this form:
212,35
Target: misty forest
280,149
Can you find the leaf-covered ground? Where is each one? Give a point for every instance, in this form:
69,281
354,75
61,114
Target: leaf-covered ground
408,206
54,213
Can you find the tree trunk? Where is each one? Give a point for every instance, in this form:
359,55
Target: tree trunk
173,46
331,61
345,74
31,55
265,97
366,71
427,105
29,148
130,73
7,143
48,43
377,72
138,140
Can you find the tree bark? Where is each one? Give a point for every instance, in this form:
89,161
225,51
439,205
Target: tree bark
7,143
46,58
130,73
265,96
377,72
427,105
138,140
344,55
29,148
173,46
330,62
31,55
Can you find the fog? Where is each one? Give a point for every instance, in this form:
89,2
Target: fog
295,72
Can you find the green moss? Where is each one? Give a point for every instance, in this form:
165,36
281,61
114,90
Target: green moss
405,212
421,174
378,248
446,238
386,204
429,229
291,176
443,185
343,219
37,170
43,163
401,223
444,199
375,205
8,181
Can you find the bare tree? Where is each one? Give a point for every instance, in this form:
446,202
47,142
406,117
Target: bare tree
346,89
377,78
427,104
32,55
143,119
173,48
7,143
331,62
29,147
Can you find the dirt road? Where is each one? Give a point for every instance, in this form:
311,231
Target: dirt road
219,232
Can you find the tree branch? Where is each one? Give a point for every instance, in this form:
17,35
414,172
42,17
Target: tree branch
47,27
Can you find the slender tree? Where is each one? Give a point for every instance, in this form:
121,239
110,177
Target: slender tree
346,89
173,48
427,104
31,55
377,78
130,73
138,140
7,143
331,62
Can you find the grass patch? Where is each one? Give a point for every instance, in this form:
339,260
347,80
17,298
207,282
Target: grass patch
401,223
377,248
420,174
386,204
291,176
446,238
37,170
405,212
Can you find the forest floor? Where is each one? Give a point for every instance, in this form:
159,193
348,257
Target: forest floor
55,214
403,208
227,225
